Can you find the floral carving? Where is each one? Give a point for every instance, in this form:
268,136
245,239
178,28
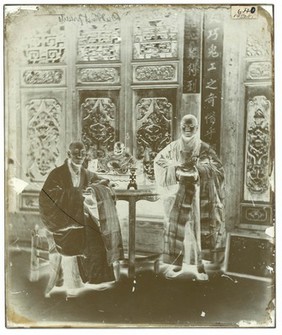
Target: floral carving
98,125
155,73
98,75
43,136
153,129
259,70
258,145
40,77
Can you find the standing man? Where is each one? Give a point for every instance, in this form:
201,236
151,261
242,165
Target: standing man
191,178
77,235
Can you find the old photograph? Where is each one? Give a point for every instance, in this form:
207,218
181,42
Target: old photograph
139,166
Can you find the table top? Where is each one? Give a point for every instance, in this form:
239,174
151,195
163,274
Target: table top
145,192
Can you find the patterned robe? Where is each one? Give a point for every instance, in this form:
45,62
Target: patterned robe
188,204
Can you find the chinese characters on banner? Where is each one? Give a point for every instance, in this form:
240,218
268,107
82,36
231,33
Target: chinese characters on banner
212,76
192,52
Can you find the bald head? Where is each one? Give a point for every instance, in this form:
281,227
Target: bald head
189,126
77,152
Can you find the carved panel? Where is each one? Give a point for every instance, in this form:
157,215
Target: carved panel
155,35
153,130
98,75
259,71
259,44
29,201
45,47
42,148
100,43
155,73
43,77
258,144
98,125
256,214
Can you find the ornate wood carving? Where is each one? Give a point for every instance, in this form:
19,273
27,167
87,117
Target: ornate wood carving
258,45
43,131
98,125
43,77
30,201
212,79
256,214
153,131
100,43
150,73
109,75
46,47
258,145
155,35
259,71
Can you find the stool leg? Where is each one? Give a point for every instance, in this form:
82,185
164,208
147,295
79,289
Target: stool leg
55,260
157,267
34,259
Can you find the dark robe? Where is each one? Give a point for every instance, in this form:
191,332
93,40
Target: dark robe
62,212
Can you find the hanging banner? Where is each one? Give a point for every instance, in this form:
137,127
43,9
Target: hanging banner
192,52
212,79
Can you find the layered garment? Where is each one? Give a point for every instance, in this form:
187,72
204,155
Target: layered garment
102,229
188,202
75,234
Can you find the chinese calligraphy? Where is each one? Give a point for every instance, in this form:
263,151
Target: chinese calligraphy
211,84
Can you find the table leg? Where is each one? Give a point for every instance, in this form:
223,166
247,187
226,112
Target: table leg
131,238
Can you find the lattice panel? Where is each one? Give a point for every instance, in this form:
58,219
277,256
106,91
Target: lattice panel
43,137
98,125
46,46
155,35
153,131
100,43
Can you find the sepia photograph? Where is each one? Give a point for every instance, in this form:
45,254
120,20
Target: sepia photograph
139,187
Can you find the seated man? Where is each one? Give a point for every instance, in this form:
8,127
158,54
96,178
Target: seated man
84,248
188,171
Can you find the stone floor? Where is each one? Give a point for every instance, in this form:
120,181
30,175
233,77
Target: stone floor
223,301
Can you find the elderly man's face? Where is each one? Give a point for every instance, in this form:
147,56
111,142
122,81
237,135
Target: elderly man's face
77,153
189,126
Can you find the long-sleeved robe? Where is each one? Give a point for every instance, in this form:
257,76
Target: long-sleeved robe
75,234
187,203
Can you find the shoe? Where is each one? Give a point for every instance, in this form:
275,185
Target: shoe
201,277
72,293
55,289
171,273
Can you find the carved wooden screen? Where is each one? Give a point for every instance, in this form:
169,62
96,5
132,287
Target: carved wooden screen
256,207
99,117
43,99
155,34
155,72
154,110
